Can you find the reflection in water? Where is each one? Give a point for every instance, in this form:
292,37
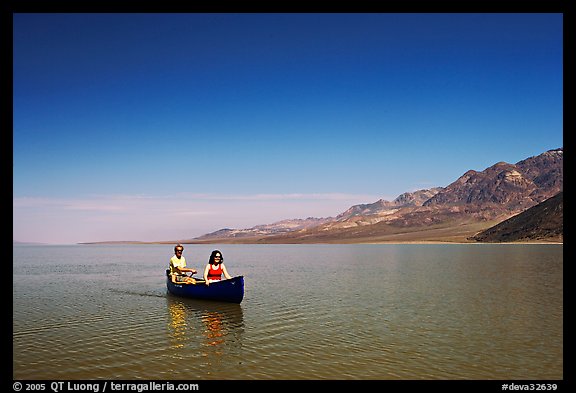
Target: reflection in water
177,324
214,329
204,324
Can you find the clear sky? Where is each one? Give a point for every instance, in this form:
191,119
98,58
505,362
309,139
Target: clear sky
169,126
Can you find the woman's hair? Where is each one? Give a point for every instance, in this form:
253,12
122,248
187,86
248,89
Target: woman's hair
212,261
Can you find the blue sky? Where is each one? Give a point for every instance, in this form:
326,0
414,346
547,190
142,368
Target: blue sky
168,126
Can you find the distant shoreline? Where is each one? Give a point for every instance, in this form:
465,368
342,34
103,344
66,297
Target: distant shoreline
331,243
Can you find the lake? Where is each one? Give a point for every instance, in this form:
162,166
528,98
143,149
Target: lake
350,312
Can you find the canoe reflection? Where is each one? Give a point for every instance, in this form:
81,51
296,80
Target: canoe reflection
201,323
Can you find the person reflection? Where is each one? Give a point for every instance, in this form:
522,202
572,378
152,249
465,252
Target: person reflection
223,327
207,325
213,327
177,324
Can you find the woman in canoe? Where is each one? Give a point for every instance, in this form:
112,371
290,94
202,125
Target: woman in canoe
215,268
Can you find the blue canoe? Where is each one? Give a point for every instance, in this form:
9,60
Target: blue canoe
225,291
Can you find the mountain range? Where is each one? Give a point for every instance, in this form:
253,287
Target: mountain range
461,212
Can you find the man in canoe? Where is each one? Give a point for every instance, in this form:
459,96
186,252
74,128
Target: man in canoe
178,267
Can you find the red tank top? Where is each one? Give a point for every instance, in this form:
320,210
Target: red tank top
215,274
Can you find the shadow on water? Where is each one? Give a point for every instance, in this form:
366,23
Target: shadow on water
202,324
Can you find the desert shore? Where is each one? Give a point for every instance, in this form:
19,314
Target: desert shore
227,241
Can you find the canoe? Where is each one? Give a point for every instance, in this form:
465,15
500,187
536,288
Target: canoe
225,290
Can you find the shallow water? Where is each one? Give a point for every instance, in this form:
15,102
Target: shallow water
469,311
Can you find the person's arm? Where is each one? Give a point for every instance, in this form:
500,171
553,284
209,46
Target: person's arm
228,277
182,267
186,269
172,271
206,269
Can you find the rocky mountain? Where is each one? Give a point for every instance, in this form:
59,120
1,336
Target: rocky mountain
404,200
474,202
280,227
544,222
511,187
